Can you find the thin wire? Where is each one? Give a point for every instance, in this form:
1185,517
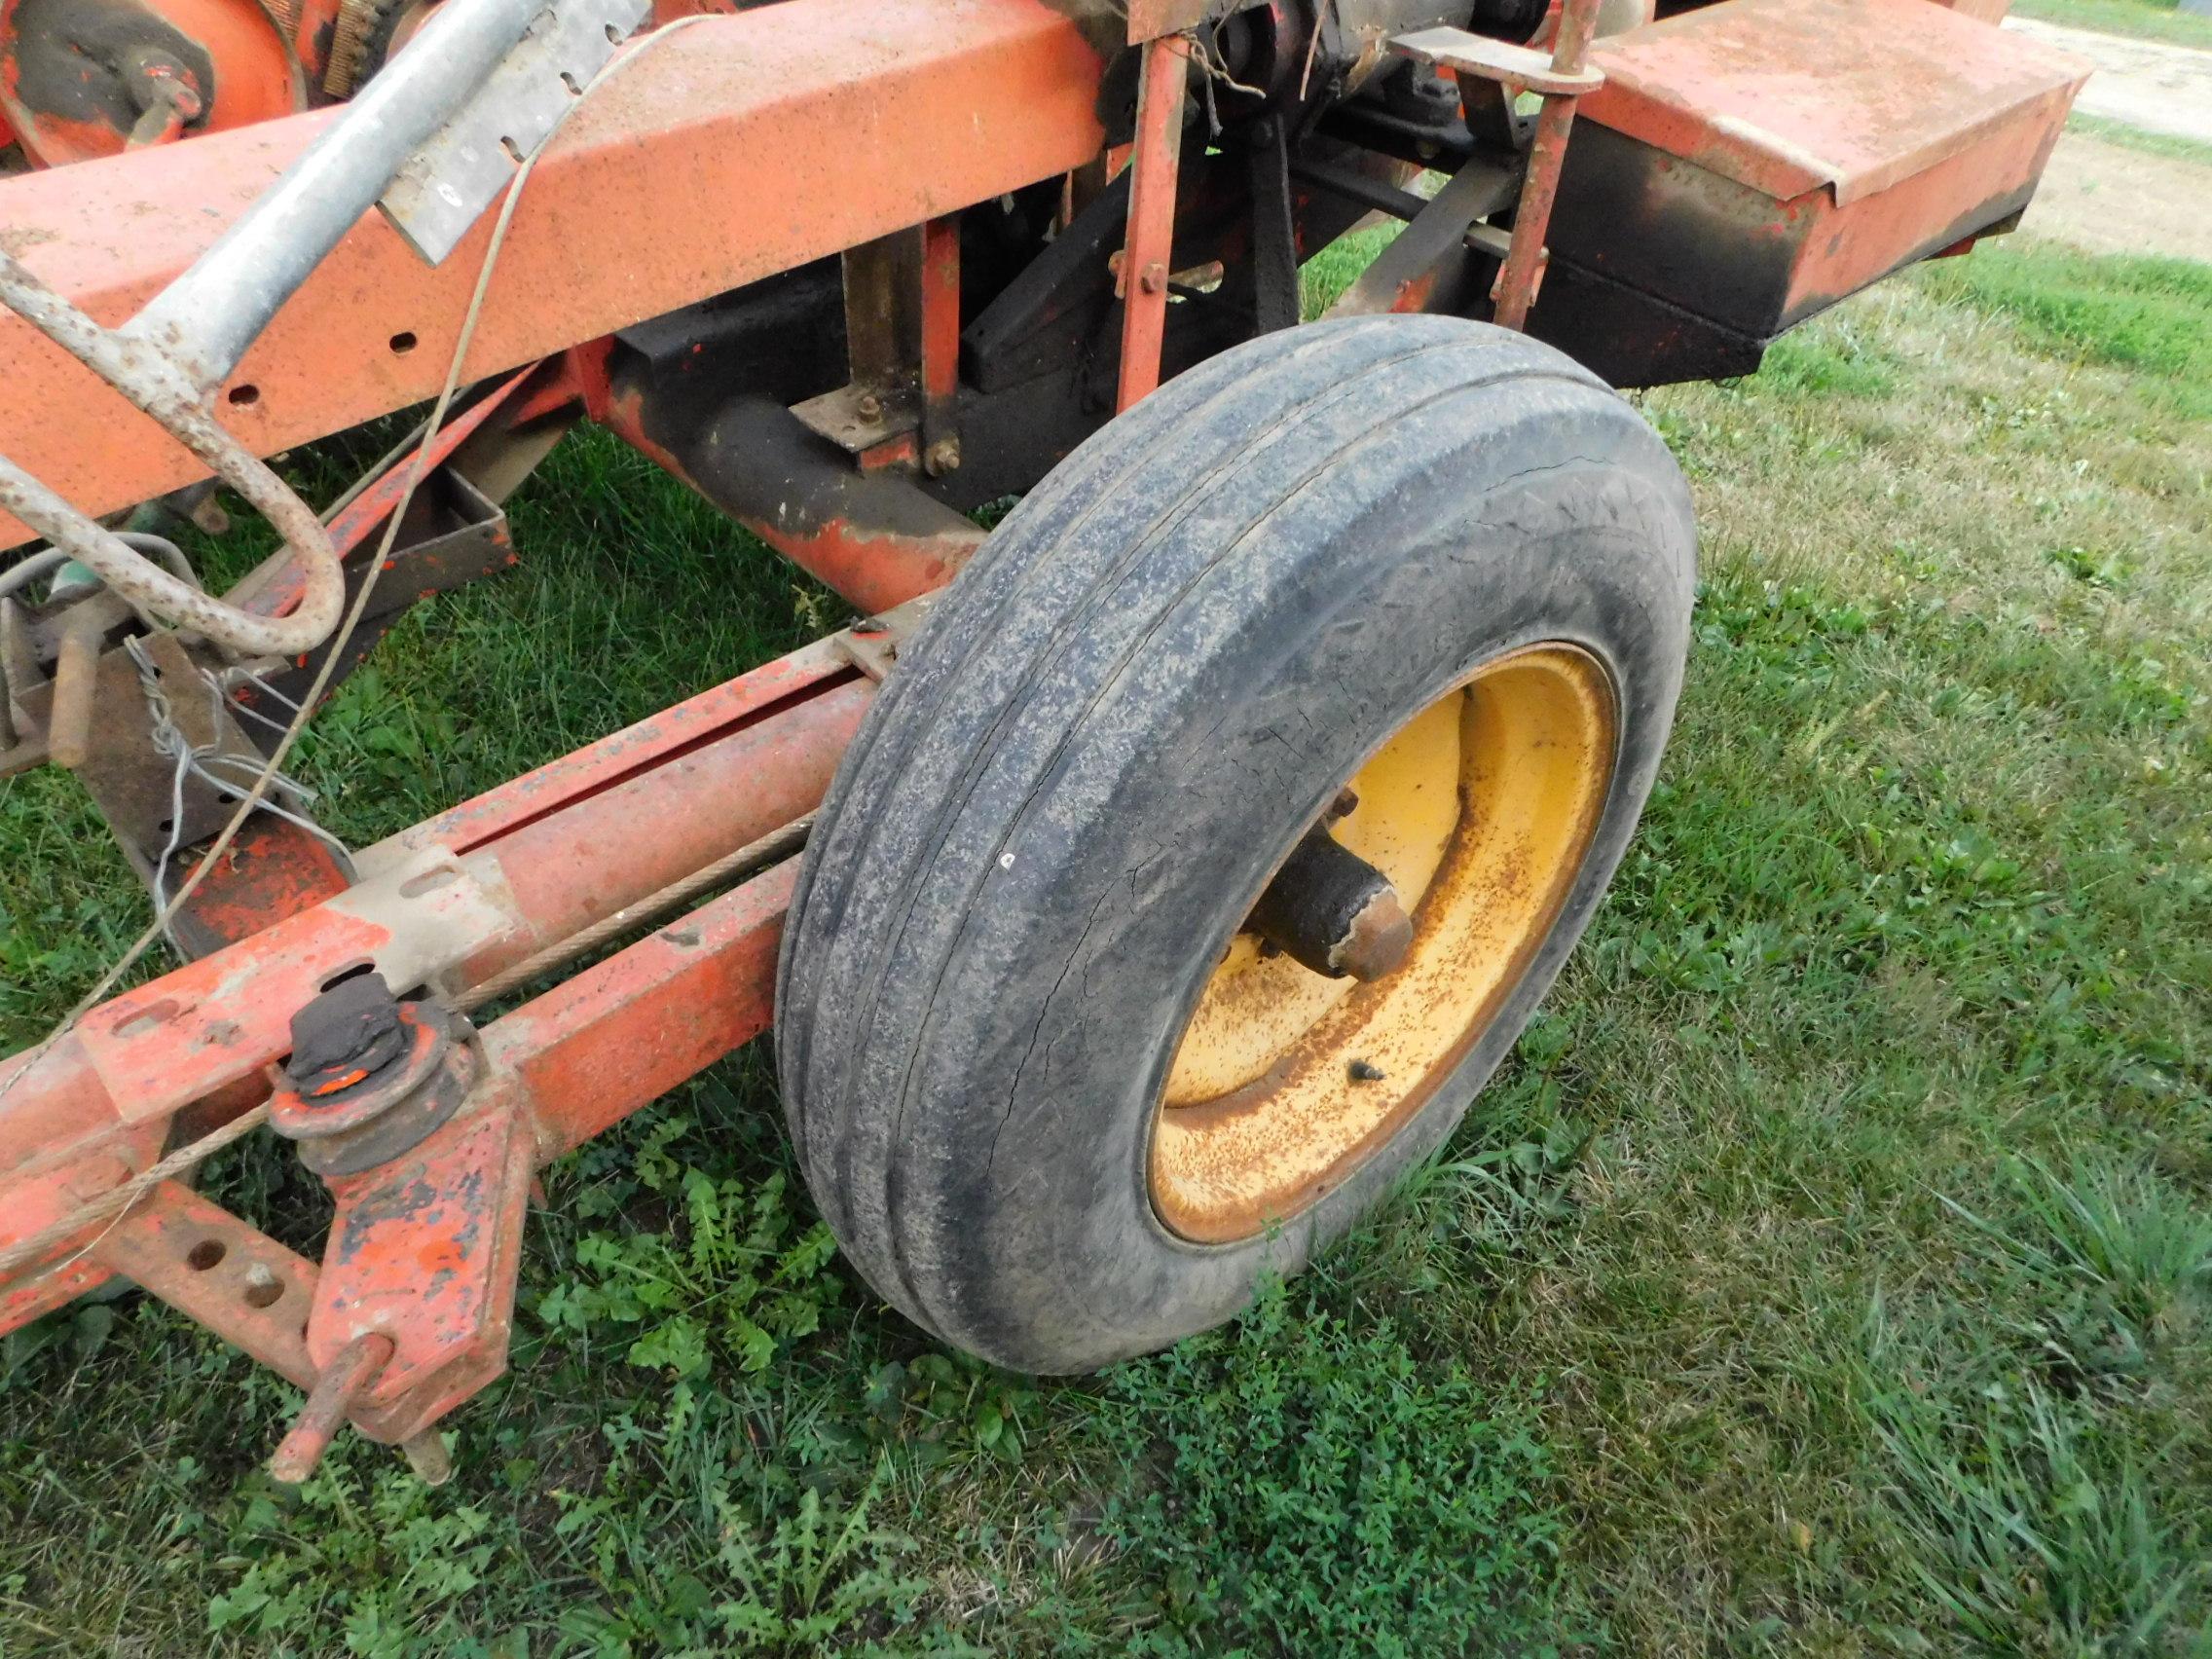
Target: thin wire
159,927
22,574
239,705
754,855
197,760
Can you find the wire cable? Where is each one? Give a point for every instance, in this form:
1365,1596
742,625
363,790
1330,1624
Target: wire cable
335,650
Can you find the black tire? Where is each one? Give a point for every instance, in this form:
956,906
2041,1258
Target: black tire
1056,814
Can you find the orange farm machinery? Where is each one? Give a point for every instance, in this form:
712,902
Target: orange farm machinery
1139,888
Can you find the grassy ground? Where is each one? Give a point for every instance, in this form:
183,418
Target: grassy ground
2136,139
2146,19
1825,1275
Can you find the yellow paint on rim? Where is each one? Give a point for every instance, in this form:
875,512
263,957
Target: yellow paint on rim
1479,810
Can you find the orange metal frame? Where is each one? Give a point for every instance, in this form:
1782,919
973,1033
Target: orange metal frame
874,122
467,894
745,146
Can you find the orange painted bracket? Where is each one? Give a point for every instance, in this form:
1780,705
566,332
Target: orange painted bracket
424,1250
215,1268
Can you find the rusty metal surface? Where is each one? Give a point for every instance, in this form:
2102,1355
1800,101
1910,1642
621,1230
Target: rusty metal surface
215,1021
1149,20
1147,252
215,1268
132,781
81,1117
870,534
594,1050
78,78
591,859
620,758
270,871
331,1396
276,585
423,1250
1520,267
1697,223
880,117
1521,67
939,348
1793,95
1426,267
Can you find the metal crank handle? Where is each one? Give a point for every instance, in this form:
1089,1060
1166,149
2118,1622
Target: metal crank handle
169,357
159,389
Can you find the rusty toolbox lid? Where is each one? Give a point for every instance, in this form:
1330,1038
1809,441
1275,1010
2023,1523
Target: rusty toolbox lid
1791,95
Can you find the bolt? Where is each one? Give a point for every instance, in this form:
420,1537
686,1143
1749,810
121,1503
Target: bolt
1365,1071
868,406
942,457
1153,278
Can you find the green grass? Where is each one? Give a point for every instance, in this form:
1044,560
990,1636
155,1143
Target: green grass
2139,312
1826,1273
2138,138
2146,19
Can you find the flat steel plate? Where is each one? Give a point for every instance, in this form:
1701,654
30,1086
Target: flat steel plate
1791,95
447,184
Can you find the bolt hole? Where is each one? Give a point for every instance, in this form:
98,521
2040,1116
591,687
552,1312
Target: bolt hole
429,881
354,972
145,1019
263,1288
513,150
614,35
568,81
205,1255
403,343
244,397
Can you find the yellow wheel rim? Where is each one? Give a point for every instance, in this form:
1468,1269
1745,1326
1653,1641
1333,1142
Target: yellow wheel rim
1479,810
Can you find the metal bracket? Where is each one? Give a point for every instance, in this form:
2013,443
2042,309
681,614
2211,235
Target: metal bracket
223,1018
1521,67
873,646
443,188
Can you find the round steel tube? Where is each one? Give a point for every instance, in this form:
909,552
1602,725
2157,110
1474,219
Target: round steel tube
208,317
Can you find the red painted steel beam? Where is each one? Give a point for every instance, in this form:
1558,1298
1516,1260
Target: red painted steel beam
1148,250
622,1033
632,752
608,850
740,148
550,852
